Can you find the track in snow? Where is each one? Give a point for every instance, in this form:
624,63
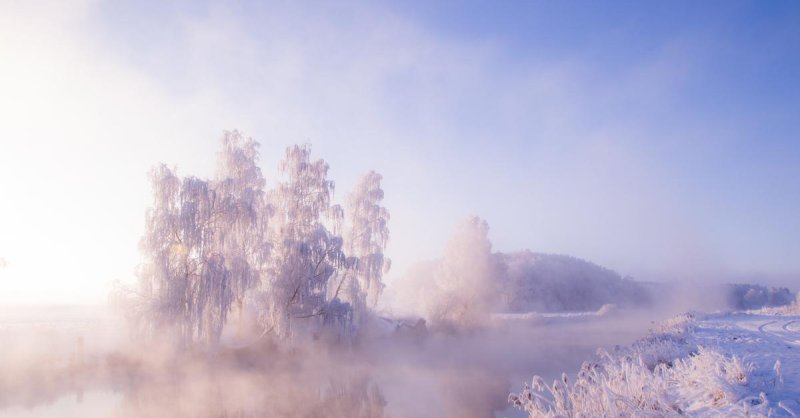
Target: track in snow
764,325
786,326
764,339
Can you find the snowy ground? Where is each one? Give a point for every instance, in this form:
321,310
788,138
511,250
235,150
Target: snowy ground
725,364
764,341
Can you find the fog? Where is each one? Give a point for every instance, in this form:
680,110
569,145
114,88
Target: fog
79,361
71,367
494,191
253,301
465,109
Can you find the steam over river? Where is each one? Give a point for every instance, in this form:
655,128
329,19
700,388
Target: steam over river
75,362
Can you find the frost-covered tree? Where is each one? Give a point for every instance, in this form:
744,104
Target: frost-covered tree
204,244
164,279
215,245
242,238
308,251
463,292
184,279
365,241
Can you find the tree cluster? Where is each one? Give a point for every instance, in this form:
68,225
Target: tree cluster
289,254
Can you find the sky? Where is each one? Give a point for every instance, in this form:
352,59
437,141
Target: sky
659,139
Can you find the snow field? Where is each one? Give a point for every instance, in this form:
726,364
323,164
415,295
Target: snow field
728,364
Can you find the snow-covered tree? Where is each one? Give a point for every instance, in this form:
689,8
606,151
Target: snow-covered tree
215,245
184,279
204,244
365,241
308,251
163,279
242,238
463,292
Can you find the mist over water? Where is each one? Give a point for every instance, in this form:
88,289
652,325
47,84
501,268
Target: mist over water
256,302
437,347
628,162
91,369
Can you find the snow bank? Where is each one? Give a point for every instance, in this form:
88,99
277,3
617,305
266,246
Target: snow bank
719,365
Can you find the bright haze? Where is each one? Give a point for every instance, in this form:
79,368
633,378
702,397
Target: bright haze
657,139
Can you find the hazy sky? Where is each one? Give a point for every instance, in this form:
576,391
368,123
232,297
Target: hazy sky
659,139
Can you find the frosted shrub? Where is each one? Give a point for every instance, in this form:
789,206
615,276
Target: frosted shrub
658,349
710,379
678,325
661,375
624,385
617,386
666,342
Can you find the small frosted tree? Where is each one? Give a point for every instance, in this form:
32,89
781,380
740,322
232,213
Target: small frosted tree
463,293
307,248
365,241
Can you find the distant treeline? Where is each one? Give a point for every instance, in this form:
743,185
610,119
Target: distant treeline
555,283
752,296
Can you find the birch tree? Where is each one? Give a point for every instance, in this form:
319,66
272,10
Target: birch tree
242,237
184,280
204,244
307,248
213,245
365,241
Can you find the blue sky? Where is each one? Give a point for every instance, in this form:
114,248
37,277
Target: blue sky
655,138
